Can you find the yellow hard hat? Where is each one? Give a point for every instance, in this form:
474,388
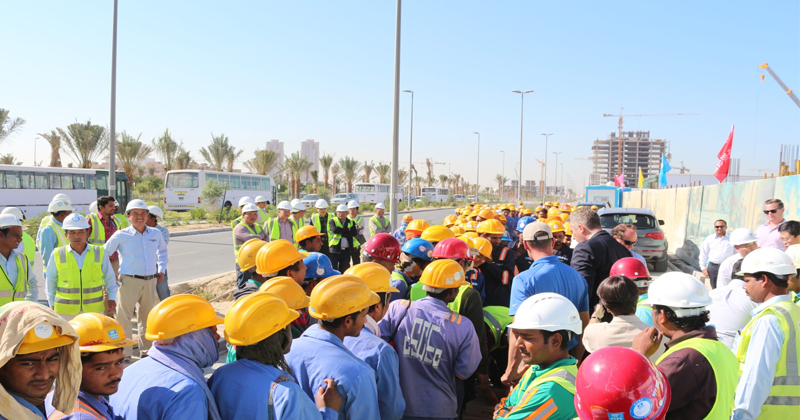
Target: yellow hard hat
99,333
417,225
377,277
276,256
449,220
501,218
594,208
552,211
306,232
556,203
492,227
563,216
457,230
408,218
520,202
462,220
178,315
567,230
247,253
512,208
548,204
437,233
527,212
443,274
255,317
542,219
483,246
471,234
470,226
288,290
556,226
341,295
43,336
503,207
538,209
486,214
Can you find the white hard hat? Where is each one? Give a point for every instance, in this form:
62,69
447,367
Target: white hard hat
156,211
298,207
341,207
683,293
75,222
261,199
321,204
7,220
62,197
59,205
295,201
249,208
136,205
742,236
794,253
380,206
15,211
284,205
353,204
245,200
548,312
768,260
116,203
93,207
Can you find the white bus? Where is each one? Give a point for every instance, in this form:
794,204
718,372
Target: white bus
182,188
375,193
31,188
438,195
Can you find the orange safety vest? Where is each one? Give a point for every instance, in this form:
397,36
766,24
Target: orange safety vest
80,407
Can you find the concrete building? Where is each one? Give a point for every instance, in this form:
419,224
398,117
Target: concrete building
309,149
638,151
277,146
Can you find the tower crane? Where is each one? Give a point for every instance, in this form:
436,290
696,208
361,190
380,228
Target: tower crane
788,91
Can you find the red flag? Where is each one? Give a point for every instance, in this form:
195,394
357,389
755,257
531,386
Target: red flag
724,157
620,180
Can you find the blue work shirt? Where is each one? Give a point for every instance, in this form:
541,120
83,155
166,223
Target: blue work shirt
140,254
48,241
9,268
646,315
318,355
478,282
382,358
27,405
109,279
101,406
402,286
152,391
234,383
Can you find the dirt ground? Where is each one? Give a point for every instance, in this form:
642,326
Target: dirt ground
196,226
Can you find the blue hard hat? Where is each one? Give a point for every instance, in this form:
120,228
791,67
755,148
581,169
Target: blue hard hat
506,237
523,221
419,248
318,265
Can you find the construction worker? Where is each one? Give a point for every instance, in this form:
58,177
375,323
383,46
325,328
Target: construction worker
794,281
78,272
415,228
103,224
28,246
318,268
743,242
52,236
637,271
101,342
731,308
280,258
457,230
437,233
308,239
38,352
481,254
379,223
522,261
485,214
416,255
342,238
568,236
400,233
258,325
121,220
436,345
281,226
640,391
320,221
47,218
20,281
369,347
242,202
701,370
340,304
246,261
298,214
143,262
768,346
352,214
543,326
383,249
502,269
560,249
261,203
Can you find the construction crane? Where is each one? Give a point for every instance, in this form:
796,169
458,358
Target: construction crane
683,168
620,163
788,91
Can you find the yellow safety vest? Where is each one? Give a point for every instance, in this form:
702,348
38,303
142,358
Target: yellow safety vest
98,236
417,293
335,238
783,401
723,363
256,232
61,237
262,215
378,223
79,289
274,228
122,221
29,247
9,293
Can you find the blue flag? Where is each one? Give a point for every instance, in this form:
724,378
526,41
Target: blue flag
662,175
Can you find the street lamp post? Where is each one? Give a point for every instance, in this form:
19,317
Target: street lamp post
503,187
555,176
478,170
410,145
562,178
544,181
112,126
521,119
395,190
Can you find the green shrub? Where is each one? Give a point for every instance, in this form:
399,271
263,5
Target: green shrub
197,213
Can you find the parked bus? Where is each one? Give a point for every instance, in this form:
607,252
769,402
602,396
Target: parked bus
182,189
375,193
31,188
437,195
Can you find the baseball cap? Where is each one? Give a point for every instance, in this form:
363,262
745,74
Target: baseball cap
537,231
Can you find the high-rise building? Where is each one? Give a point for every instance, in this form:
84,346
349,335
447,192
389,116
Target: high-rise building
276,146
638,152
309,149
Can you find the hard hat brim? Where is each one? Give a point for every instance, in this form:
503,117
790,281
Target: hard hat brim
217,320
60,341
108,346
290,317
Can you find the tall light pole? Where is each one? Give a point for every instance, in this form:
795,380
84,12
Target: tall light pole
410,145
555,177
544,185
478,171
112,126
562,178
521,119
503,187
396,121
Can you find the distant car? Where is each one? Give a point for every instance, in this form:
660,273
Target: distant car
459,198
309,200
343,198
418,198
651,242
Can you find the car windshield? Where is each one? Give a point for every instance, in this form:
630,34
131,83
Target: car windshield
310,197
340,196
641,221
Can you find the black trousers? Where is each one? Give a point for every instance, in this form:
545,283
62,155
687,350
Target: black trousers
340,260
713,272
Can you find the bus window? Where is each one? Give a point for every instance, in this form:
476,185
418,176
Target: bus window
222,179
102,181
235,182
13,180
55,181
27,180
40,181
91,182
245,182
265,185
211,177
79,182
182,180
66,182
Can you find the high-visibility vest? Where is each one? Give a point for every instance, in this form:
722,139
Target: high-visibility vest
80,407
273,227
416,293
122,221
9,293
381,224
299,222
98,236
29,247
723,363
262,215
335,238
61,237
641,304
252,232
316,220
562,375
497,318
79,289
42,224
396,275
783,401
235,222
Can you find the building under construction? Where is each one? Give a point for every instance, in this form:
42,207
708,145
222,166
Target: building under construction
638,151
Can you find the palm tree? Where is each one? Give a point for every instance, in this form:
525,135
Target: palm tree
295,165
131,153
417,184
368,168
466,187
456,182
151,170
429,174
167,149
335,169
430,180
501,182
55,146
182,159
217,152
8,126
7,159
326,161
140,171
232,156
402,177
350,169
85,142
315,180
263,163
382,170
443,179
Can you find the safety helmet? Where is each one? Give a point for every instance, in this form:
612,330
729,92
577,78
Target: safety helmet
443,274
503,207
683,293
261,199
62,197
178,315
457,230
527,212
556,226
419,248
639,391
353,204
512,208
742,236
452,248
380,206
156,211
437,233
321,204
288,290
383,246
294,201
417,225
470,226
249,208
471,235
255,317
548,204
563,217
523,221
594,208
93,207
768,260
506,237
548,312
377,277
467,240
341,207
449,220
75,222
486,214
7,220
99,333
275,256
306,232
136,205
408,218
633,269
318,265
552,212
501,218
491,226
538,209
15,211
793,251
61,205
247,253
246,200
284,205
339,296
483,246
43,336
298,207
567,230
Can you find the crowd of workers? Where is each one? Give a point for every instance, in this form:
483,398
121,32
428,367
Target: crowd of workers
341,316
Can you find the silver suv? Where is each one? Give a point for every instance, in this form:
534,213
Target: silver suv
651,242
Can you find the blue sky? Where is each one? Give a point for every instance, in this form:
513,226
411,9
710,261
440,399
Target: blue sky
324,70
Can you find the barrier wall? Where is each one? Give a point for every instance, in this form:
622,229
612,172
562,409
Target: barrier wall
689,213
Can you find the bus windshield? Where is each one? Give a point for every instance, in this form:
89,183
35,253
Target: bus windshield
364,188
182,180
429,190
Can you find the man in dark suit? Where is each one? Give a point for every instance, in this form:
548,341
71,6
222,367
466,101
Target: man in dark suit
596,252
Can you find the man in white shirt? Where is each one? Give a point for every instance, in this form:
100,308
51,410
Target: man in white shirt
716,247
731,309
743,242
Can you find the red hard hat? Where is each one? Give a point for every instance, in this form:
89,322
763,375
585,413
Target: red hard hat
383,246
619,383
453,248
633,269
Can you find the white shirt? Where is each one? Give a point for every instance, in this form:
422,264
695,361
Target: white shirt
619,332
715,249
140,254
731,309
725,274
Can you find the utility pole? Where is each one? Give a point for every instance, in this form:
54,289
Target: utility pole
396,121
112,164
521,119
478,170
544,177
555,176
410,145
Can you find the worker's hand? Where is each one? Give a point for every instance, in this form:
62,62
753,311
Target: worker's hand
599,311
160,277
511,377
647,341
111,308
484,390
705,273
328,397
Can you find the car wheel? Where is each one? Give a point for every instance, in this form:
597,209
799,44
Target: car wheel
660,265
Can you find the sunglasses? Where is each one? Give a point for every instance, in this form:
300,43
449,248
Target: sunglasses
720,227
629,243
773,211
